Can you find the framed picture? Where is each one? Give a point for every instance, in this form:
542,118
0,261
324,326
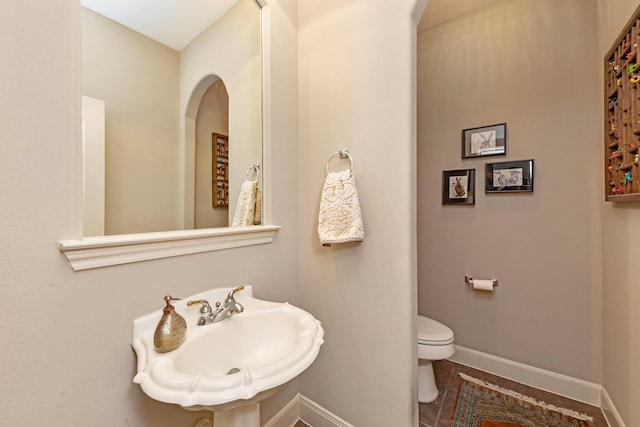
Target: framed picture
458,187
516,176
484,141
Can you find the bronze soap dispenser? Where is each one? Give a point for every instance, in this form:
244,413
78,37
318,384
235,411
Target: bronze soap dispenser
171,329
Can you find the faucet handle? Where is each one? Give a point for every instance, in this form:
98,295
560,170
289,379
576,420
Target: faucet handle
206,308
233,291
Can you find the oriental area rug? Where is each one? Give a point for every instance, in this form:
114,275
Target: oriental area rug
481,404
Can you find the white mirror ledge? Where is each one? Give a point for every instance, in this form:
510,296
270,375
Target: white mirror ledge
103,251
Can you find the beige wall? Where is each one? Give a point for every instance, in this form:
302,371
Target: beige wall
528,63
213,117
621,251
356,81
66,358
138,80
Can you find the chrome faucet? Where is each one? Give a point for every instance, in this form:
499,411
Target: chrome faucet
230,307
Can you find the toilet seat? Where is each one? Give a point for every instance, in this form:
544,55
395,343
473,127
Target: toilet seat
432,332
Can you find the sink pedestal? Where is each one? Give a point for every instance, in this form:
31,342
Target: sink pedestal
242,416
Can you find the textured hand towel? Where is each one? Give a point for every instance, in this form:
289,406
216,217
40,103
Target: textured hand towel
246,208
340,218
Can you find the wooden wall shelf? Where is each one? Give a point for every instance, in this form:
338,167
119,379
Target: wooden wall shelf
220,170
622,115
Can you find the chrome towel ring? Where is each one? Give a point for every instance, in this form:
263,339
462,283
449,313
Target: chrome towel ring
344,154
256,172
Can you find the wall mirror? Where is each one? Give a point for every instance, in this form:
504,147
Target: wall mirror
159,78
158,84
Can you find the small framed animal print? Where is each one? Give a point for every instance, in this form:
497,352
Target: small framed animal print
509,177
484,141
459,187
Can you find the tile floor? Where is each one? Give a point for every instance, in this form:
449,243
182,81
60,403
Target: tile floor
439,412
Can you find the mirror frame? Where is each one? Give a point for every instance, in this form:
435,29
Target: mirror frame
103,251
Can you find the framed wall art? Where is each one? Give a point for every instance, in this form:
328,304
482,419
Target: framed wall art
484,141
513,177
458,187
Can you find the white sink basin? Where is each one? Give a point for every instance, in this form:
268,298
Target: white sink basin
266,345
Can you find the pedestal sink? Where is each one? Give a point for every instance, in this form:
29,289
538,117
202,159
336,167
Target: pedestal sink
230,366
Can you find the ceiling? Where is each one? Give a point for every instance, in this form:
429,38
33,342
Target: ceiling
177,23
170,22
439,11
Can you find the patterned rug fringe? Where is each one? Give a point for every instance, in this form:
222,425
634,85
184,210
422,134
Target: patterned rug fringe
564,411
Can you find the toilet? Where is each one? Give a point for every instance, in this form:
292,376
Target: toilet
435,342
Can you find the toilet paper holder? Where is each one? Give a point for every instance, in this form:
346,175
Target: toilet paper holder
469,281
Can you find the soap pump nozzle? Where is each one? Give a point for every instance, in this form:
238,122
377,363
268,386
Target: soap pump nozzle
169,308
171,330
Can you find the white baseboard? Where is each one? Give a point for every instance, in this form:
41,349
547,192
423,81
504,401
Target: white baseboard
317,416
303,408
287,416
610,412
563,385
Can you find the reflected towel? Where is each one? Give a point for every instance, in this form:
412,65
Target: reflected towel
246,213
257,220
340,218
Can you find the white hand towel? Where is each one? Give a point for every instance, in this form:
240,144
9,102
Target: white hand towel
340,218
246,208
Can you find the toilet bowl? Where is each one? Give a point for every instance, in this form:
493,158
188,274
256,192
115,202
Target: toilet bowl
435,342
